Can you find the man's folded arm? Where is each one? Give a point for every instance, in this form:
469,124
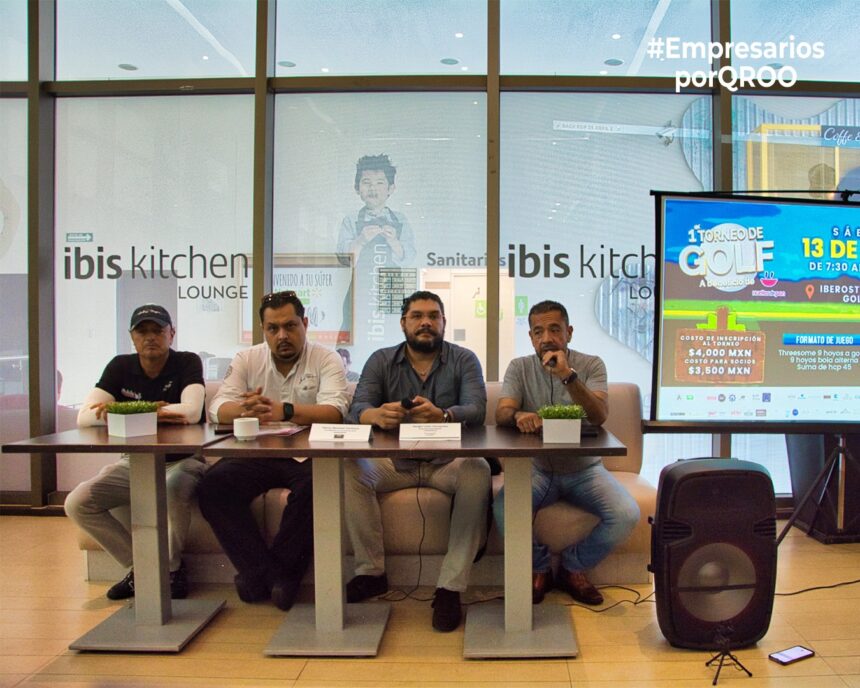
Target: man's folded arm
87,414
190,404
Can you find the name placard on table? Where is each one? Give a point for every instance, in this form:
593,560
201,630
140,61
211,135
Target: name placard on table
430,431
333,432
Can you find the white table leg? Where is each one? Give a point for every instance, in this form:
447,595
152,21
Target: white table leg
149,539
152,624
516,628
330,627
518,546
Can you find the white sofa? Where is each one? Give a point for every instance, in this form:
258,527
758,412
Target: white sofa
557,525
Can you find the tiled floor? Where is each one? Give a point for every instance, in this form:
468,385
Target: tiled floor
45,604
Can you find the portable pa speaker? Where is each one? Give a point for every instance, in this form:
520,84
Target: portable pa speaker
713,553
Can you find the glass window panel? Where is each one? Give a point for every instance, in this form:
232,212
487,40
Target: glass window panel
595,37
128,39
577,223
13,40
14,347
154,204
801,25
436,213
784,143
347,37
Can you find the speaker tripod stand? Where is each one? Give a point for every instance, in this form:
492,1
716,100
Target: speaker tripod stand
724,655
836,465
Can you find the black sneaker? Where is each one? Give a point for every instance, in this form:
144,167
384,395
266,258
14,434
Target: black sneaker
179,583
362,587
446,610
124,589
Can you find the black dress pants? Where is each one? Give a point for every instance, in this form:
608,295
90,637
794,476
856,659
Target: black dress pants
225,496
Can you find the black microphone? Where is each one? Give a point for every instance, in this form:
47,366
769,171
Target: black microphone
551,363
407,403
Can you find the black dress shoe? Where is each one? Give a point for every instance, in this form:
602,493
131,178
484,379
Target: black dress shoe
284,592
179,582
251,589
541,585
363,587
446,610
123,589
578,587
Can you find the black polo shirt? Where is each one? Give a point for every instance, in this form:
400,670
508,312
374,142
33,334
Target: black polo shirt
123,378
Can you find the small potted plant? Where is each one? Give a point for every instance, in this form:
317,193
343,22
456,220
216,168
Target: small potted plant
562,423
132,418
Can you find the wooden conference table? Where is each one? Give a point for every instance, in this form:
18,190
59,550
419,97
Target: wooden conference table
513,628
154,623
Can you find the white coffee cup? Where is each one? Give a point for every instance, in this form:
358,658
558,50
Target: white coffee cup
246,428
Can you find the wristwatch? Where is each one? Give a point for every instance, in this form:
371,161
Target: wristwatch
289,411
571,376
446,416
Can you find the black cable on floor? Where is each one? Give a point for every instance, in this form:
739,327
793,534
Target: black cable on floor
636,602
818,587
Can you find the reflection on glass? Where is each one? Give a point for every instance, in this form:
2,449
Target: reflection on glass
153,206
14,349
805,144
817,40
13,40
127,39
347,37
377,195
595,37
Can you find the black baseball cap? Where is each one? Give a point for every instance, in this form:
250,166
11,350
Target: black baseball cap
158,314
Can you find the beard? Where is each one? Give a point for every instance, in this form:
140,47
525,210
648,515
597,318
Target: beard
286,355
424,346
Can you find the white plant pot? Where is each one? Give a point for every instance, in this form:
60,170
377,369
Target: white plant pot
562,430
132,424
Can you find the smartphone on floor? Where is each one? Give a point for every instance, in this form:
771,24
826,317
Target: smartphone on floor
791,655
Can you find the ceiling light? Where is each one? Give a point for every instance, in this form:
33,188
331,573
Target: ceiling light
613,62
459,34
464,68
324,70
449,61
615,36
205,57
603,72
127,67
286,63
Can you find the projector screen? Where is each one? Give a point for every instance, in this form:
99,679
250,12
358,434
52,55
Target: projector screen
757,315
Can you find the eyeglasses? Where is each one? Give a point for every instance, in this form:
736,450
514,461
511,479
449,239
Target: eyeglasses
278,296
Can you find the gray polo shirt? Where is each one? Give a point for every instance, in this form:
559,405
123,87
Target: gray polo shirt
455,383
529,384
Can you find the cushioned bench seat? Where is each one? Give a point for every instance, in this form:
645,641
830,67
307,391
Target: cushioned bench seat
557,525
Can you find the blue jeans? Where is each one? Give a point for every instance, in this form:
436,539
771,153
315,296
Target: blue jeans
593,489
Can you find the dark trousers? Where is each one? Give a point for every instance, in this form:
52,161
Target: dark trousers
225,496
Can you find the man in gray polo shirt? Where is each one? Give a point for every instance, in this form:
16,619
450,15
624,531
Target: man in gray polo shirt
558,375
423,380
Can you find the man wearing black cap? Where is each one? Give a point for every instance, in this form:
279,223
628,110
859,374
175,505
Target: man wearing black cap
174,380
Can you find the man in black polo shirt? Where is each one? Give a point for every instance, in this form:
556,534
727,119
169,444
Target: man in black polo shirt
174,380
